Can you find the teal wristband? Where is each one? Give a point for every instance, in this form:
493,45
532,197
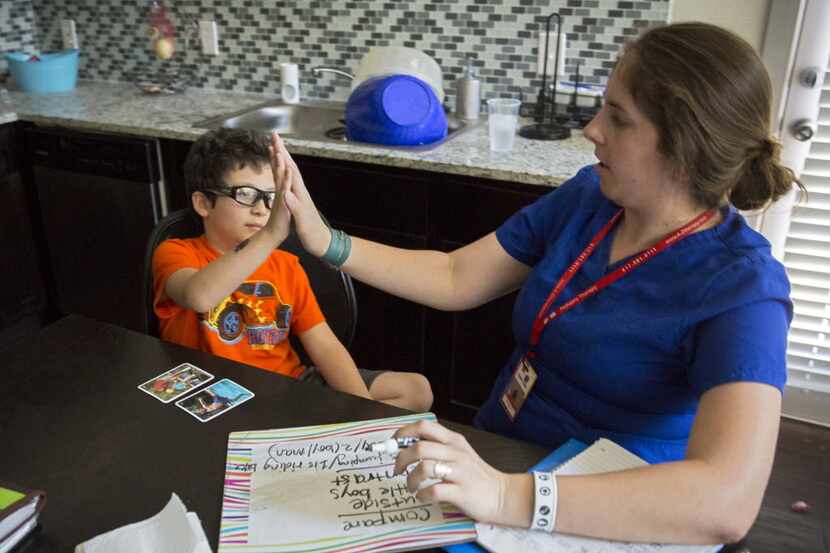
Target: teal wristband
339,248
346,249
331,252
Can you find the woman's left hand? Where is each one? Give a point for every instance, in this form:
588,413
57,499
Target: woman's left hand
468,482
313,232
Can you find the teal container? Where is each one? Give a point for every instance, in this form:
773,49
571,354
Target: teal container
56,72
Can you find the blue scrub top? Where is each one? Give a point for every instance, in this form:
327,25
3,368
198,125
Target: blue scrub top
631,362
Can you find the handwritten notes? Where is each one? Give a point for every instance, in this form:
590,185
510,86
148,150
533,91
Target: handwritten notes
331,484
319,488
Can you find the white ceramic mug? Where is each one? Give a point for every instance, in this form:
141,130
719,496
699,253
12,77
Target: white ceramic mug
290,83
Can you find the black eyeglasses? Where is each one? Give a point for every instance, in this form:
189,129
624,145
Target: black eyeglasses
247,195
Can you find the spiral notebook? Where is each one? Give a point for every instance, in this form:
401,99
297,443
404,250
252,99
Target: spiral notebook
318,489
602,456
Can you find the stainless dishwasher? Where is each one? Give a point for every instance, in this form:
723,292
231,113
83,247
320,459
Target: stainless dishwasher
100,196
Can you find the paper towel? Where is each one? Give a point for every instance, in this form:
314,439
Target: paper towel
173,530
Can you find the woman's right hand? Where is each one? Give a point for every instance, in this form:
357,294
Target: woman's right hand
469,483
313,232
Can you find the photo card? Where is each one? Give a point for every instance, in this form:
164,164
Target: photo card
214,400
176,382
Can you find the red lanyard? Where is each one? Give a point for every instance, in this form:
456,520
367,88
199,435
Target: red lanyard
542,321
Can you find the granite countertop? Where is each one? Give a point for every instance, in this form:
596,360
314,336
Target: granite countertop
123,108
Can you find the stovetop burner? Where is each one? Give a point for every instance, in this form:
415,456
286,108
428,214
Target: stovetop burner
337,133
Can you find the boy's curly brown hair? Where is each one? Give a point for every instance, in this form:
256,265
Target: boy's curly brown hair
219,151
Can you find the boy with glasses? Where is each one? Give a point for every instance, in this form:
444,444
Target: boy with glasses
232,293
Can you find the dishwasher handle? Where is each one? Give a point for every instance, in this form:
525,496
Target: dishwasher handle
121,157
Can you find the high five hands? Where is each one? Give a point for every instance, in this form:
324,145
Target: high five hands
294,200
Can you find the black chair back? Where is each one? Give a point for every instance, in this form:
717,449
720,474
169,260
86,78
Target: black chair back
332,287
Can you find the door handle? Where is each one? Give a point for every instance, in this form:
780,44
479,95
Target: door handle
804,130
808,77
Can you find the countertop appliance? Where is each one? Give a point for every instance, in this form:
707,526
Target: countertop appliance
99,197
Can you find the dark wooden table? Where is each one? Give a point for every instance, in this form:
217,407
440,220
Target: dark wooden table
73,422
801,472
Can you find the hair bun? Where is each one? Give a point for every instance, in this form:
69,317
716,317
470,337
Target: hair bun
764,179
768,148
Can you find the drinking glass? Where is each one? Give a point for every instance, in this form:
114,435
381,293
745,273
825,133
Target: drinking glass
504,117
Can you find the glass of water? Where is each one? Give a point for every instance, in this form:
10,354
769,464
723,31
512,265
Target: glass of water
504,117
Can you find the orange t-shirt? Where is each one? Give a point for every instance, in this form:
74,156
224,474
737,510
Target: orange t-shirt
250,325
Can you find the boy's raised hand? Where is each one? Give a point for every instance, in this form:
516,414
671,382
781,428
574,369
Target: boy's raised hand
279,221
313,232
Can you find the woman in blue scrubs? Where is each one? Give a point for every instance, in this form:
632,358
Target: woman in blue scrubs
649,312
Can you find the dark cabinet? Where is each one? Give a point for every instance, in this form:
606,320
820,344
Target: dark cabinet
99,201
466,352
23,296
468,349
390,330
173,154
391,208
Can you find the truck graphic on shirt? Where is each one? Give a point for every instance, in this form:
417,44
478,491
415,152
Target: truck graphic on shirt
251,311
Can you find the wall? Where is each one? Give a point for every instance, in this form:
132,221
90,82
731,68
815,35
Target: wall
746,18
17,27
255,37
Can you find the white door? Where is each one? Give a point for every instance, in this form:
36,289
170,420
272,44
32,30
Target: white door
799,228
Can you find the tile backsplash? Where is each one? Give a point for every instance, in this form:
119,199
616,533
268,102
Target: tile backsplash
255,36
17,27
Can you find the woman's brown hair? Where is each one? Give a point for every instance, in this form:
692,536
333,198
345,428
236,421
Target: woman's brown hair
709,95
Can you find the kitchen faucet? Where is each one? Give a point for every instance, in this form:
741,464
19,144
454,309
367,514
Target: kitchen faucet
318,70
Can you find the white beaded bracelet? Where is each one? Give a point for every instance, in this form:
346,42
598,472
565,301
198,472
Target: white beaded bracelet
544,501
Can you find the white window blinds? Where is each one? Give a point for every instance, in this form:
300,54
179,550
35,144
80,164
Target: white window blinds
807,259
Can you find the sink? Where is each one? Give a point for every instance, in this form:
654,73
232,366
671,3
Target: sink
299,120
322,121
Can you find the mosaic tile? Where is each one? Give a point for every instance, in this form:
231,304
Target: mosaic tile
17,29
254,37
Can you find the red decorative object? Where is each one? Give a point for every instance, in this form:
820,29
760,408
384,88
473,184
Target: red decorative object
162,32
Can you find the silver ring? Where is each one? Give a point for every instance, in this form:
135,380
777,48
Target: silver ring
441,471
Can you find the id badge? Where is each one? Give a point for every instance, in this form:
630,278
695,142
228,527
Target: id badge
519,387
